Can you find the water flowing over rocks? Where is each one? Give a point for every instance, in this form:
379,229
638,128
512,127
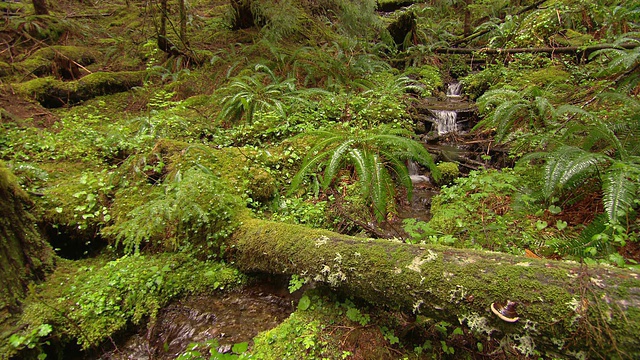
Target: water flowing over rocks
231,318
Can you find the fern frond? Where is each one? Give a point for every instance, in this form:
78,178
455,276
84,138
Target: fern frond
504,117
359,159
306,167
567,164
334,163
401,172
381,187
620,189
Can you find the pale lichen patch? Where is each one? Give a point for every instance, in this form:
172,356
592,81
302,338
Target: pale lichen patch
525,264
478,324
526,346
458,294
322,240
418,261
416,306
597,282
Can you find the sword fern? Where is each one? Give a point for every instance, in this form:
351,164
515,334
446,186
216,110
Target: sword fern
375,156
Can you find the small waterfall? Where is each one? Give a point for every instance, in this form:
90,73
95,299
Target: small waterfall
412,167
446,121
454,90
414,173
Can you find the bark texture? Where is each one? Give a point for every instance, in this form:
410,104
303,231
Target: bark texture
243,16
563,308
24,255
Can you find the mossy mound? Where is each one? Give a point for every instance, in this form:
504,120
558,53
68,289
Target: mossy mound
25,255
95,299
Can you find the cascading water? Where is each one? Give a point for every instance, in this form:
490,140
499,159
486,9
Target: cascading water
454,89
446,121
414,173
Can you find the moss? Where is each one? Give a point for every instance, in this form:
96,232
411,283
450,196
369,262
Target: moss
570,37
50,92
429,76
96,298
262,185
449,171
25,256
5,69
437,282
40,63
545,77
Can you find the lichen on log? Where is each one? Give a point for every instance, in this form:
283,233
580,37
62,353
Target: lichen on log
563,308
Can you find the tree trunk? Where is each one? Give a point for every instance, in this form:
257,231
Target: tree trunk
53,93
40,7
402,27
243,16
183,23
24,255
562,307
466,30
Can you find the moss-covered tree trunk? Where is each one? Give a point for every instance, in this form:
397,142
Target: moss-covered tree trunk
24,255
563,308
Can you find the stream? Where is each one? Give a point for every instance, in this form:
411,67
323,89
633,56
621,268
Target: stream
231,317
444,121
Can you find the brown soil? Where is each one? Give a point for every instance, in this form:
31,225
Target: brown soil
631,251
584,210
14,108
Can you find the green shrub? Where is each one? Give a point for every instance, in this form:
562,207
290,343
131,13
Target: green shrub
195,209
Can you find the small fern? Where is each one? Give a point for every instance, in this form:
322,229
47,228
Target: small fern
620,189
249,95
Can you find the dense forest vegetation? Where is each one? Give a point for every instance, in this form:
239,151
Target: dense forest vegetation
404,179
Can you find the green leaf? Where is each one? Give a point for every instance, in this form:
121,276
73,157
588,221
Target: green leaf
619,193
304,303
541,224
555,210
561,225
240,348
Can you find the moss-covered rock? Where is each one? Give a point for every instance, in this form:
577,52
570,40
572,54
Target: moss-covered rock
95,299
449,171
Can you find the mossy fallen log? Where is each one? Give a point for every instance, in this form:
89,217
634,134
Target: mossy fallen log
52,93
24,255
580,51
62,61
563,309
